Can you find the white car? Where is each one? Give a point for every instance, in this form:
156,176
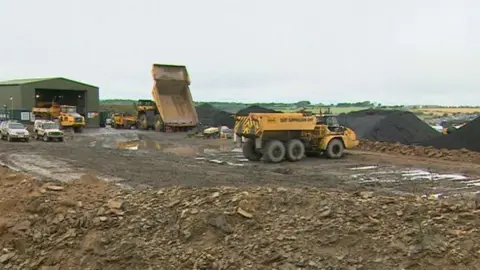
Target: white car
47,130
13,130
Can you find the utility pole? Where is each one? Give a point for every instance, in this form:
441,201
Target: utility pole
11,116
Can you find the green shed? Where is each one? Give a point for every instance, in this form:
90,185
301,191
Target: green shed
18,97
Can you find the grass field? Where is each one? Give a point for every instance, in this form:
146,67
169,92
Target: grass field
441,111
334,110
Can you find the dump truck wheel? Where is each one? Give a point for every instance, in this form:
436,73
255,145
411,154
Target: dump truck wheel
295,150
249,151
159,126
334,149
274,151
142,122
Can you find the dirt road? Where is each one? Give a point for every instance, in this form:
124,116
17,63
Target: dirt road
148,159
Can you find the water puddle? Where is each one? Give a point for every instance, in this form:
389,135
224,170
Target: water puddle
130,141
50,168
181,150
395,177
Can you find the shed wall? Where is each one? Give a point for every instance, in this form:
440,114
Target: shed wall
7,91
92,96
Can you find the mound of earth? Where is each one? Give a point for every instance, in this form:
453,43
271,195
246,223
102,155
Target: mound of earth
463,155
89,224
213,117
464,137
255,109
388,126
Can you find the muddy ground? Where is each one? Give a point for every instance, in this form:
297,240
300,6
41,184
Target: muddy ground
361,215
140,159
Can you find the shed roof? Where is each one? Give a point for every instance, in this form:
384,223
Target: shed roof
35,80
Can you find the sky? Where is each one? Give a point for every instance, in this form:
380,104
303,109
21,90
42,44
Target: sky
387,51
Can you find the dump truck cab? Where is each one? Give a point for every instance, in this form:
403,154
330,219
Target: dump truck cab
278,136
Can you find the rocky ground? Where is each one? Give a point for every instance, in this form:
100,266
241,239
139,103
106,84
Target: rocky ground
177,203
462,155
91,224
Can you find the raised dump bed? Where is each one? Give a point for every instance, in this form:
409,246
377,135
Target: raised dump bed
171,93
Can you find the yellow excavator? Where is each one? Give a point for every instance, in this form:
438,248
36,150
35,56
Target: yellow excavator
67,116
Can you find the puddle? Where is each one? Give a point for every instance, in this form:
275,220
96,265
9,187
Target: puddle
364,168
395,177
132,141
425,175
181,150
54,169
218,154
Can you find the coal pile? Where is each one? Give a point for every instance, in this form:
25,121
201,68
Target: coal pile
211,116
255,109
464,137
389,126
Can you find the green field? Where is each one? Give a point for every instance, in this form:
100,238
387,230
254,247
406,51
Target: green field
119,105
334,110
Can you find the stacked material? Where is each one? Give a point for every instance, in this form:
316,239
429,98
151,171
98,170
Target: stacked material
465,137
255,109
213,117
389,126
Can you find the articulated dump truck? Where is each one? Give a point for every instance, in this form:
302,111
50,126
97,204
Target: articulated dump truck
171,94
278,136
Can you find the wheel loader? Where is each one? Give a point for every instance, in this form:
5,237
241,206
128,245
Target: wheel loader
279,136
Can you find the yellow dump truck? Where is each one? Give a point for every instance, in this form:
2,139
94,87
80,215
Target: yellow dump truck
123,120
66,115
278,136
171,94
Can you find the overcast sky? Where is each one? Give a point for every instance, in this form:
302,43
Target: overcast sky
390,51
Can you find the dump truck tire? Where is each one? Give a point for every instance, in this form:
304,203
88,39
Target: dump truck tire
274,151
142,122
295,150
249,151
334,149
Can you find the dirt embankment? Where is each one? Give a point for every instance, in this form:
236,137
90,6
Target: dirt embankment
462,155
88,224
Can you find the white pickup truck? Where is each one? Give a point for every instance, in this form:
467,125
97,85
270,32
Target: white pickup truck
47,130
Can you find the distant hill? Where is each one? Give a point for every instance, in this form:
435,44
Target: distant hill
117,101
